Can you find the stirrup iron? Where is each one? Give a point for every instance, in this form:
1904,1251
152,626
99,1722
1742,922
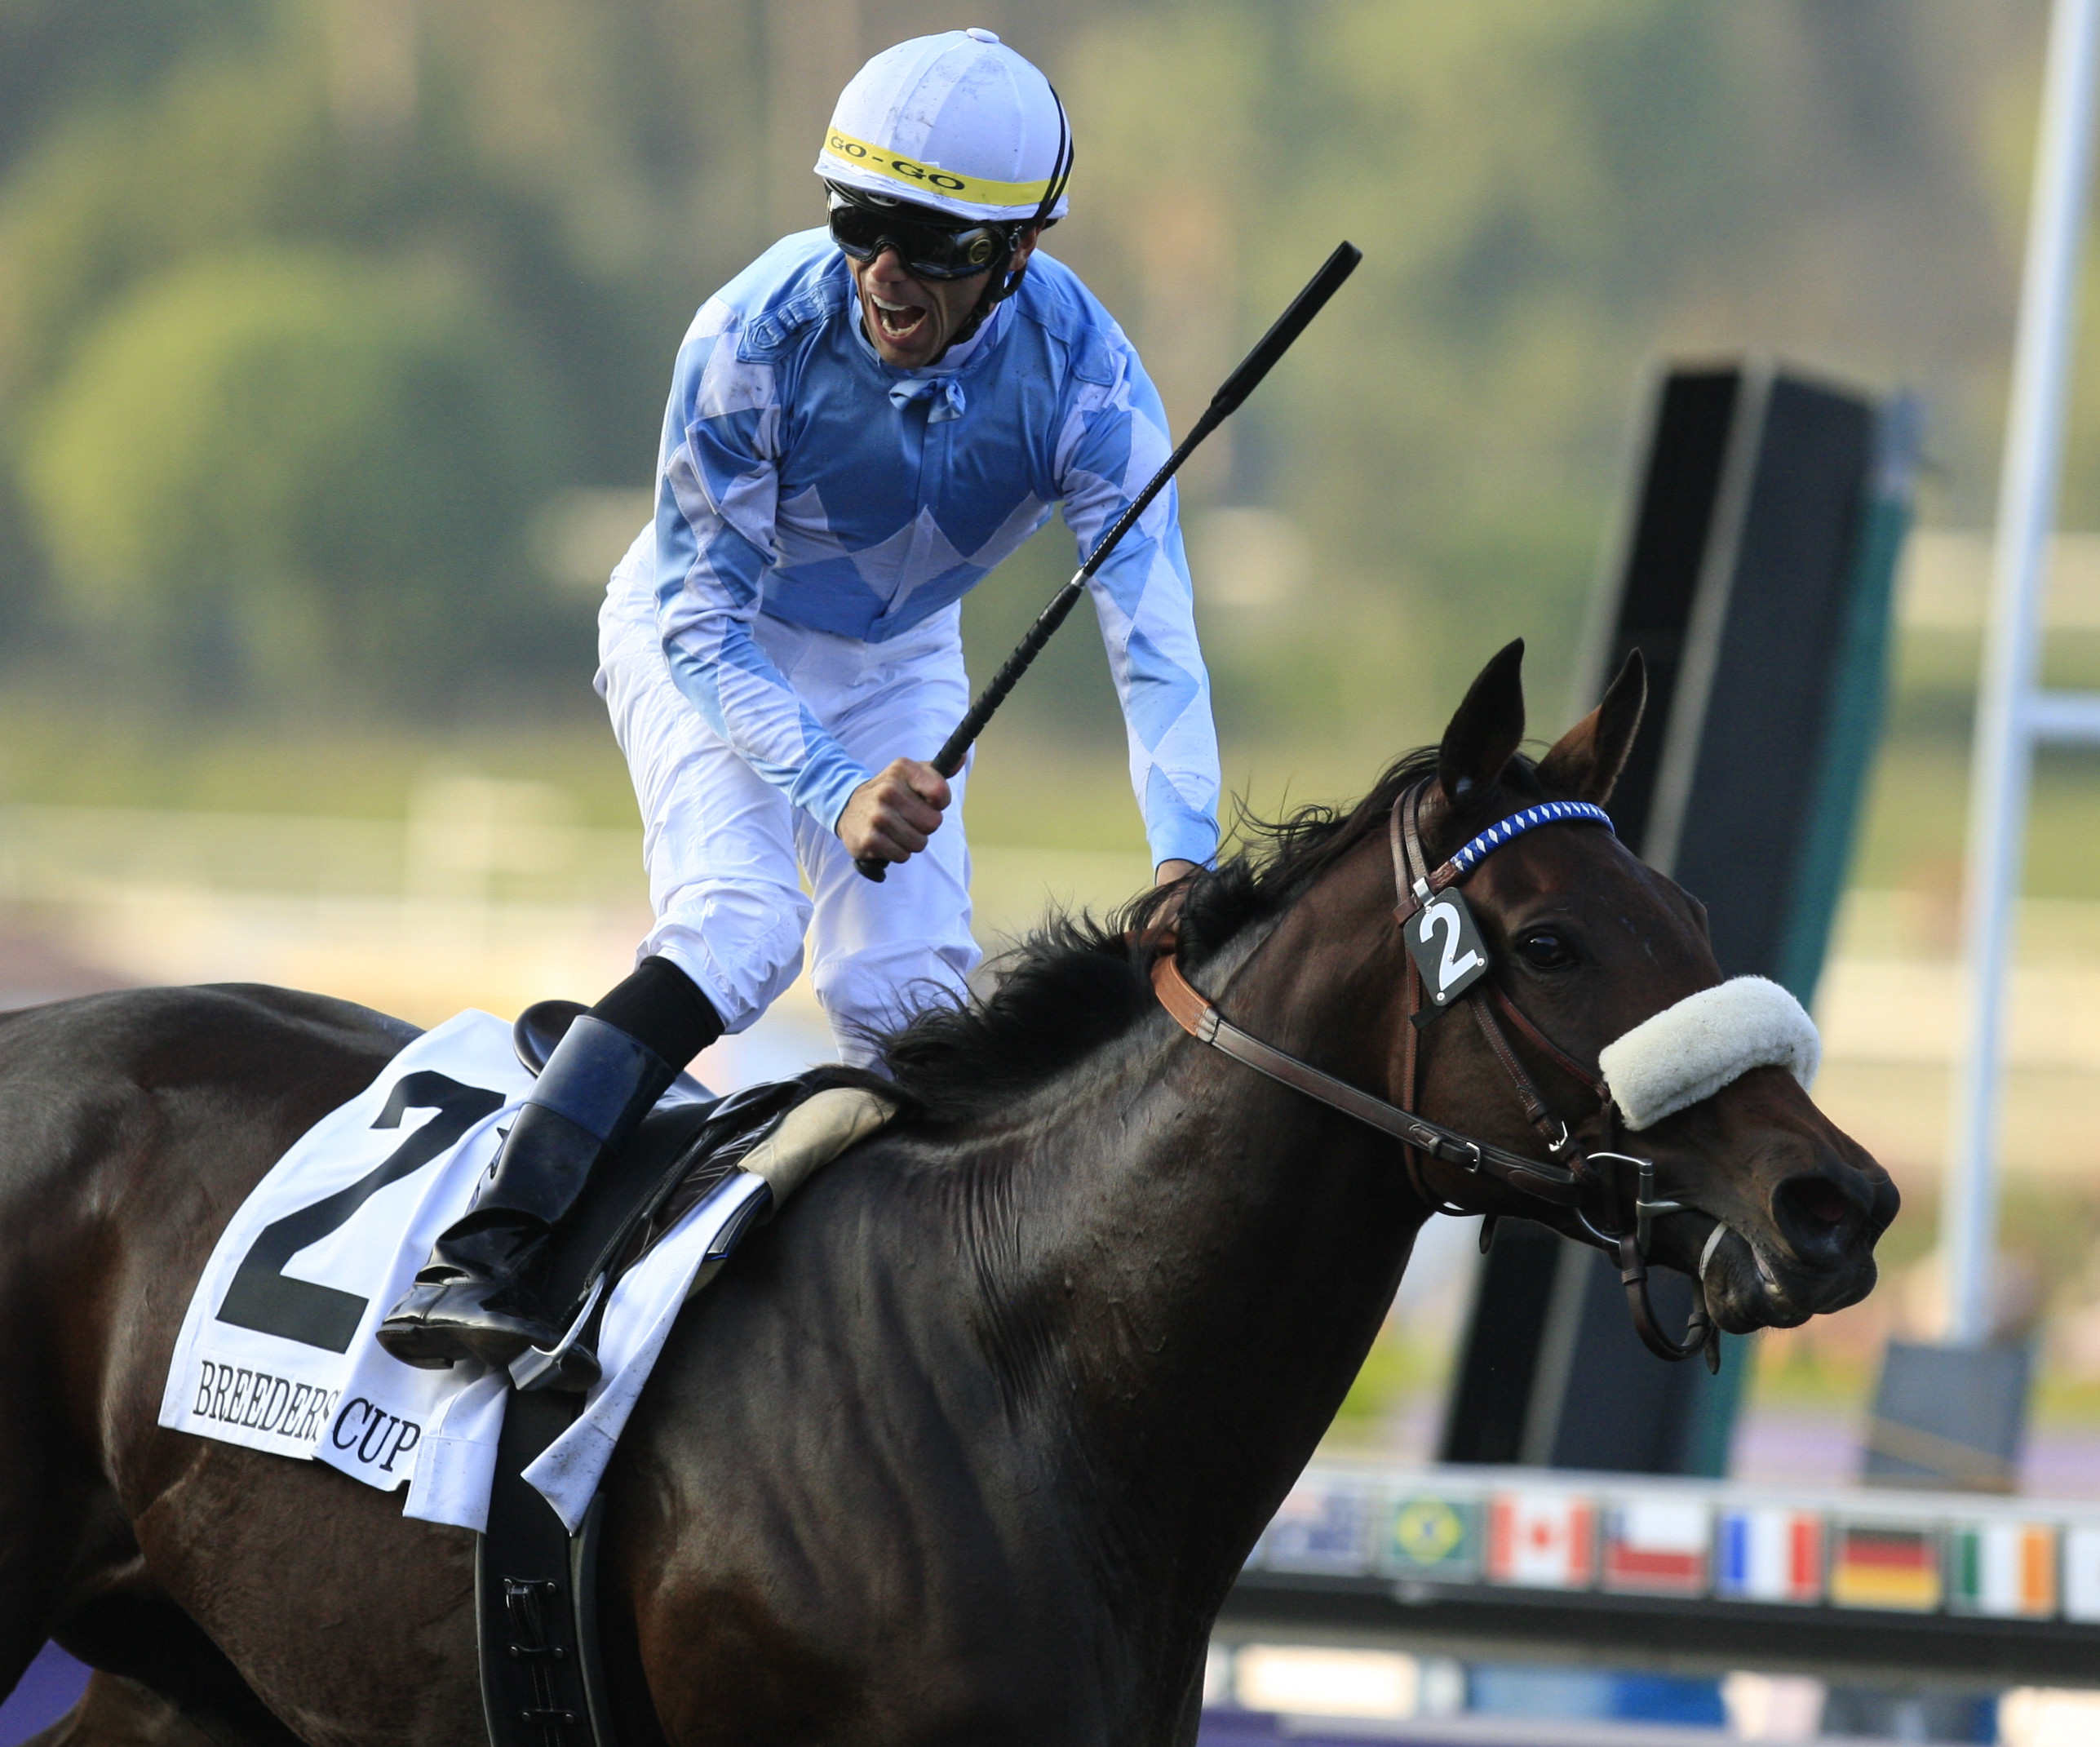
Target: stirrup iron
569,1365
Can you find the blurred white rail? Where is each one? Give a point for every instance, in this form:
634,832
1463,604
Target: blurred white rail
500,900
50,855
487,895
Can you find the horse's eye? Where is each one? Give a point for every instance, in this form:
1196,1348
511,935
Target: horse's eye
1543,949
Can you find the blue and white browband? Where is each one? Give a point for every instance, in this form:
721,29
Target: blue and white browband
1502,830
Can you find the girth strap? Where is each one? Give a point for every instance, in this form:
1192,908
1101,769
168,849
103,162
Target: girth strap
1196,1016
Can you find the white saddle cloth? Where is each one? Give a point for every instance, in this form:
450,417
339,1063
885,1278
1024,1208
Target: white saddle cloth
328,1241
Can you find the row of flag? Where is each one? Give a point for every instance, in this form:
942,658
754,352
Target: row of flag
1670,1544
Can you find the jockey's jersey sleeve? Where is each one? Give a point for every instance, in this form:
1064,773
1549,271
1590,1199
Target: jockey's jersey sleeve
802,477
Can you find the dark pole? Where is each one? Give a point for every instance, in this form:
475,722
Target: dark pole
1241,383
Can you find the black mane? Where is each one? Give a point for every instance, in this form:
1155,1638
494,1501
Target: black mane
1076,983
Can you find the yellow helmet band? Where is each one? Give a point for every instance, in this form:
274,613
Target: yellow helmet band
929,178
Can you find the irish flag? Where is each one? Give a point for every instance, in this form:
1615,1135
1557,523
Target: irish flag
1764,1553
1541,1540
2006,1569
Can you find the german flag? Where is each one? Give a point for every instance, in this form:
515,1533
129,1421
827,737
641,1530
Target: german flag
1892,1565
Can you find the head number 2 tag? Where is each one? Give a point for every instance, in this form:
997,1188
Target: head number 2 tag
1446,948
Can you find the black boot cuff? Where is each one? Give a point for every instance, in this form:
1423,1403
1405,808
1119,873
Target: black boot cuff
599,1079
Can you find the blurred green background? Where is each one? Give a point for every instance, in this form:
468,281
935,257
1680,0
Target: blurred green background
334,334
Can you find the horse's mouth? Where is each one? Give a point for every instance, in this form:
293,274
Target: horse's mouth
1749,1286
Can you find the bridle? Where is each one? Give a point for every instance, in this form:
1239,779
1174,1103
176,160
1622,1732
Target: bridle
1609,1195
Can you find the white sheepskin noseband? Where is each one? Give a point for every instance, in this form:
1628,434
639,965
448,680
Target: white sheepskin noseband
1707,1041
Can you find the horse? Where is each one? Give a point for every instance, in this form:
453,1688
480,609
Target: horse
971,1442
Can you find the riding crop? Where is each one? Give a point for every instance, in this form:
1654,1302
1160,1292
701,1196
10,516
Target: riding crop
1241,383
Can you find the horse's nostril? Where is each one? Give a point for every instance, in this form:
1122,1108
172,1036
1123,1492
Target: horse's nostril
1816,1200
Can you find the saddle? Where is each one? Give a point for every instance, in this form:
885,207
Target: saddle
542,1675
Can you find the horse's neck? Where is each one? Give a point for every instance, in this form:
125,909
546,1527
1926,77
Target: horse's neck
1218,1251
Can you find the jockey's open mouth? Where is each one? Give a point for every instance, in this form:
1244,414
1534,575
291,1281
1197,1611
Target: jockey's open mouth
898,321
911,317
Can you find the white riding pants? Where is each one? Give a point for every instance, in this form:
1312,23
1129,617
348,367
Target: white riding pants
727,853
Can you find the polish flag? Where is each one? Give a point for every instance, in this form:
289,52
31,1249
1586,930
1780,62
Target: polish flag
1541,1540
1767,1554
1657,1546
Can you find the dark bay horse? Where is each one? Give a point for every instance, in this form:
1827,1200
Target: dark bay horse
969,1444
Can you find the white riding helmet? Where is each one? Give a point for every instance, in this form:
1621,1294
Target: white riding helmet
958,122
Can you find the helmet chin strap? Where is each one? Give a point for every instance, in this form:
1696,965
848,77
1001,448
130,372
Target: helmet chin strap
998,287
990,298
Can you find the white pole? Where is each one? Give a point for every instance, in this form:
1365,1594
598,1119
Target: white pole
2003,747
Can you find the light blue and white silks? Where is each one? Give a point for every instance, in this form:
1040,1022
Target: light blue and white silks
807,494
276,1353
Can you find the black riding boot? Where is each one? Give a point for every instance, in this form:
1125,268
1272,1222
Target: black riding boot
479,1296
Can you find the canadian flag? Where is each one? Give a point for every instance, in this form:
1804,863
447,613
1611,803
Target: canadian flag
1543,1540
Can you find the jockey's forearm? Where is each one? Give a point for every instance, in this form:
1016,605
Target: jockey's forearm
1146,606
770,727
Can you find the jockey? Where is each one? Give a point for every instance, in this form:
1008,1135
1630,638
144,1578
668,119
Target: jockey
863,424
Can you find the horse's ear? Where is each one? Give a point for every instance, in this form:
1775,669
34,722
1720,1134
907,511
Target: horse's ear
1586,760
1488,727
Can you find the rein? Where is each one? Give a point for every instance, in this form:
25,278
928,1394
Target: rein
1548,1181
1574,1186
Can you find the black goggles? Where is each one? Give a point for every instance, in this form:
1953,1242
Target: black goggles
929,251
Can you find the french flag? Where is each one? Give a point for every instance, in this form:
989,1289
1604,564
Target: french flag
1541,1540
1768,1554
